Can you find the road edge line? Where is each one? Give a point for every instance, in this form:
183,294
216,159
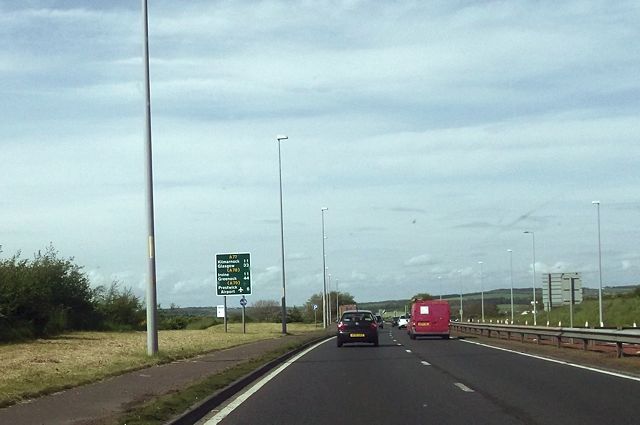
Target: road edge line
535,356
200,410
226,411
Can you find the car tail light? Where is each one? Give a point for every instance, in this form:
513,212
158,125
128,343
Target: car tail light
341,326
374,325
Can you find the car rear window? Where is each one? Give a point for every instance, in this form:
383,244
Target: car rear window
357,317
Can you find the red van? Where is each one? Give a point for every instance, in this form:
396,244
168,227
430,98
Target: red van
429,318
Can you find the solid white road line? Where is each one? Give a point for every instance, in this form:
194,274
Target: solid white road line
425,363
463,387
593,369
218,417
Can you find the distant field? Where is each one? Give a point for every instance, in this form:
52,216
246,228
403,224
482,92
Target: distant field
48,365
616,311
521,298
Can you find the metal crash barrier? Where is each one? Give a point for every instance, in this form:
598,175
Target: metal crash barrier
616,337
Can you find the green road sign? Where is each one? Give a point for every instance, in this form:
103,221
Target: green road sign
233,274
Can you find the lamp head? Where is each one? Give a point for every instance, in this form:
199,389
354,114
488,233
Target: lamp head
595,202
281,137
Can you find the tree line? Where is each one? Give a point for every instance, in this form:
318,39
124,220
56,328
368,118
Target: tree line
271,310
47,295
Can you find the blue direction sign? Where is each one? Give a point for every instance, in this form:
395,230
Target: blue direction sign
233,274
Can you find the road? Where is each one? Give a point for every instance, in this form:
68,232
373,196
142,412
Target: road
435,381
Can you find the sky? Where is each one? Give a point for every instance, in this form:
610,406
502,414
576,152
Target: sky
435,133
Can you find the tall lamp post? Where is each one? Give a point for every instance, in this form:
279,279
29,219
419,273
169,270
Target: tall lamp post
440,285
533,303
328,299
324,273
460,277
152,329
597,204
481,291
337,303
510,251
284,290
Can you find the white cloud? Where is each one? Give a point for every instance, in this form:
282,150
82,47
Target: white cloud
420,260
558,267
429,118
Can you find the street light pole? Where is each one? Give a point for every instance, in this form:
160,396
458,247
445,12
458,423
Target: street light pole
328,299
324,273
284,290
533,304
337,303
597,204
152,329
440,285
481,291
510,251
460,276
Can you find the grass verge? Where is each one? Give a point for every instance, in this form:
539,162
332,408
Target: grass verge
48,365
162,409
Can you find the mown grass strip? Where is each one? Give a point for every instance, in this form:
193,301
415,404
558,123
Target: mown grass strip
41,367
164,408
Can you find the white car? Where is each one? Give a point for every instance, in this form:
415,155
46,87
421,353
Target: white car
402,322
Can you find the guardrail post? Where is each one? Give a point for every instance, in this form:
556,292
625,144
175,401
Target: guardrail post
588,338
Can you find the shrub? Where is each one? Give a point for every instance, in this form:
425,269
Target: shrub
201,323
43,296
118,310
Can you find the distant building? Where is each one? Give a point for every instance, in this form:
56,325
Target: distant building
556,289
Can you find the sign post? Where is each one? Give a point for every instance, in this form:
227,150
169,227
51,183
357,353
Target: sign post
233,277
243,303
233,274
220,311
315,312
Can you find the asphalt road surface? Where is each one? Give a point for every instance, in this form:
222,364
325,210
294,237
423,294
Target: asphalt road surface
434,381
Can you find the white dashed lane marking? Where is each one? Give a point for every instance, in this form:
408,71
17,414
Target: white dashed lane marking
463,387
425,363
